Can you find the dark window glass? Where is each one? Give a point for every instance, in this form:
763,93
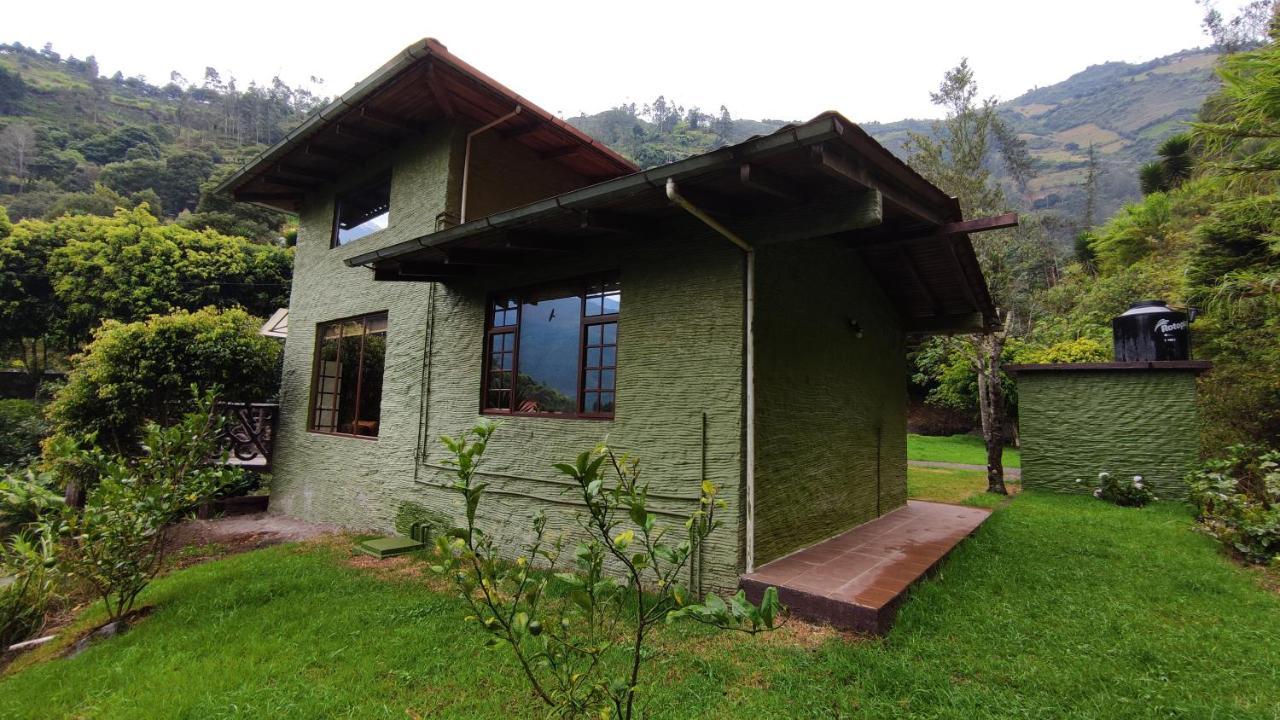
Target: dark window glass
362,212
347,389
552,350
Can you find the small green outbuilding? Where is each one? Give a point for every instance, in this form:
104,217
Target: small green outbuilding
1126,418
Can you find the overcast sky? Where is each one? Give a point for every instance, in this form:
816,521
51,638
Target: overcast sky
785,60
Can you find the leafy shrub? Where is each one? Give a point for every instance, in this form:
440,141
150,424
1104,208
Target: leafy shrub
1078,350
116,544
1125,492
21,427
141,371
27,498
566,642
1238,501
29,560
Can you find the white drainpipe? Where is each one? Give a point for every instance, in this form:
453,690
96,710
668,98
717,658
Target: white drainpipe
466,157
749,306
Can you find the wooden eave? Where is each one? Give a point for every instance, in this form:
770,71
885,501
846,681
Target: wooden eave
824,180
423,84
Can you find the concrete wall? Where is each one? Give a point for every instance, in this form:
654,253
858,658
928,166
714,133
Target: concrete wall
831,407
679,355
1075,424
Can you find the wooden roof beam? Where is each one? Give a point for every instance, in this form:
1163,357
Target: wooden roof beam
522,130
769,182
266,196
962,323
913,272
610,222
438,92
334,154
298,170
385,118
542,243
484,258
289,182
363,135
559,152
944,231
851,171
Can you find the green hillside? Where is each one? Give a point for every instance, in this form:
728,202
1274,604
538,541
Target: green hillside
1124,110
72,140
145,142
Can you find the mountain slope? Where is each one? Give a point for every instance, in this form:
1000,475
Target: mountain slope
1123,109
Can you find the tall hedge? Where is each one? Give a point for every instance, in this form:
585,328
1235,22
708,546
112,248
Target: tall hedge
133,372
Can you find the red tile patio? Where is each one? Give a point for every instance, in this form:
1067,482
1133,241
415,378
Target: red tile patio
857,579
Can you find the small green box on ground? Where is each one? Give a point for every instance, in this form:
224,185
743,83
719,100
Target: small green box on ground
389,547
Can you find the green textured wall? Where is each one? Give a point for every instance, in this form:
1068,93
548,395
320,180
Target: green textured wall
360,482
830,407
1075,424
679,354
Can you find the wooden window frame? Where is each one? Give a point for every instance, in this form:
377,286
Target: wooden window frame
315,374
583,286
378,179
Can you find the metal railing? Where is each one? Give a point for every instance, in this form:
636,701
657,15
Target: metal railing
248,433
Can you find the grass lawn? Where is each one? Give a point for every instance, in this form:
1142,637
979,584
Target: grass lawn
1059,607
965,449
951,486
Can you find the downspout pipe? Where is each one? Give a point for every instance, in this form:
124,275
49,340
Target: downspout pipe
466,156
749,308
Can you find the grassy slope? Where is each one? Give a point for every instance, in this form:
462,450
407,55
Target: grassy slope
949,486
1060,606
966,449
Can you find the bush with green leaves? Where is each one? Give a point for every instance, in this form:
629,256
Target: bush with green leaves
21,427
1123,491
1237,499
26,498
116,544
140,371
28,560
579,631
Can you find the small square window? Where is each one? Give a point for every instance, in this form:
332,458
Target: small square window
363,211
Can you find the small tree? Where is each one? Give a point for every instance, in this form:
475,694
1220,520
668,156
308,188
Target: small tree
141,371
568,641
116,543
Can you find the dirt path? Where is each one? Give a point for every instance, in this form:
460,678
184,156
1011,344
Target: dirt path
1011,473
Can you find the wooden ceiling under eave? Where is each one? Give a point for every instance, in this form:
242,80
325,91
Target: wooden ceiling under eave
434,85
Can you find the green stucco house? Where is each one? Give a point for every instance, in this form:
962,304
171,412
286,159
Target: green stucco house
738,316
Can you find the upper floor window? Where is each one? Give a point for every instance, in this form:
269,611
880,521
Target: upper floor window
553,349
346,394
362,211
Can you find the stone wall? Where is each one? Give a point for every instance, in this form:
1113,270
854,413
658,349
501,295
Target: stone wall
830,406
1077,423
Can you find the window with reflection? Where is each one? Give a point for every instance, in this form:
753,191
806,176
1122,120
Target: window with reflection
553,349
346,396
362,211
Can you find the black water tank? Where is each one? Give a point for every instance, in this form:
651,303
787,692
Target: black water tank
1150,330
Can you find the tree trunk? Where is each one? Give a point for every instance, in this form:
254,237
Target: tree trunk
991,407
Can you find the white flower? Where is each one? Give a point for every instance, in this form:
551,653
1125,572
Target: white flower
1097,493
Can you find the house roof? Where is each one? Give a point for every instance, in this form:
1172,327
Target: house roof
423,83
801,182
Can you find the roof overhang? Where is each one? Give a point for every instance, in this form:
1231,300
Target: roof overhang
824,179
421,85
